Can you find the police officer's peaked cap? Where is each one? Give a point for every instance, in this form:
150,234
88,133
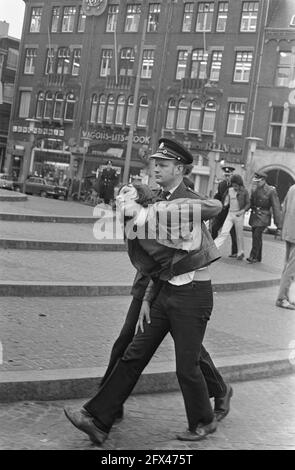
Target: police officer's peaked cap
228,170
171,150
259,175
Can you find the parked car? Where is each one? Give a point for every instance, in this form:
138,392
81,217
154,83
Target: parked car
6,181
42,187
270,229
62,190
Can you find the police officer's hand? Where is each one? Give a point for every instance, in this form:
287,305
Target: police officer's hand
144,315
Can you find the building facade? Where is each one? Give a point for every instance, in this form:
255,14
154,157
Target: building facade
8,65
95,76
273,121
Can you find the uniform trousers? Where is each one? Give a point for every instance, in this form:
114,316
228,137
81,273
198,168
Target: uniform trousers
215,383
184,311
256,252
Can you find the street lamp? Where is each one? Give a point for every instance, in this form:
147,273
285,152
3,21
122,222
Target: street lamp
217,153
29,164
86,142
252,144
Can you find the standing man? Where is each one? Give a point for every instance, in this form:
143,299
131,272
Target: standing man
288,234
170,161
263,198
221,195
108,182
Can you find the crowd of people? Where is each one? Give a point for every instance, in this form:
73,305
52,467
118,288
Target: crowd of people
172,291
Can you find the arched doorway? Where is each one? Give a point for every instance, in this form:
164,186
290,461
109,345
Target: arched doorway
281,180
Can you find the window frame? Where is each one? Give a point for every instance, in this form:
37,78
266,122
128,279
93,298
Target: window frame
206,15
235,115
35,28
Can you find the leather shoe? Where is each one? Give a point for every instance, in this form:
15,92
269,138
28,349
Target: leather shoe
83,421
240,257
252,260
284,303
199,433
119,417
222,405
233,255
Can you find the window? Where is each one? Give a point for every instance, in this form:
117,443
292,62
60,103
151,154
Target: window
195,116
181,115
24,104
285,73
171,113
205,16
215,66
110,110
147,63
49,61
48,108
76,62
93,109
282,127
68,19
209,116
112,18
58,106
130,110
199,64
181,64
8,92
105,62
40,105
187,17
249,17
81,21
63,61
55,19
153,17
243,66
120,110
126,61
30,61
222,17
236,113
70,107
143,112
12,58
35,22
132,18
101,109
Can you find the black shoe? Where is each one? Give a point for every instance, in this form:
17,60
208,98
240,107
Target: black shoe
222,405
201,431
83,421
252,260
233,255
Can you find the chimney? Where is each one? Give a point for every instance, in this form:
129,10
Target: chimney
4,27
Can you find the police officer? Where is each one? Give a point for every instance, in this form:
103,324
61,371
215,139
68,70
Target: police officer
107,183
222,192
263,198
99,413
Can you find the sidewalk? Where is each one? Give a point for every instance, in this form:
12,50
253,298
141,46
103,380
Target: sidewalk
260,419
62,310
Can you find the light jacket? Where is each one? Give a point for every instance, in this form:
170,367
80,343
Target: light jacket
288,231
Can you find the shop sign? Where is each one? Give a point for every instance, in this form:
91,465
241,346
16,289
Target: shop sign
115,137
38,130
215,146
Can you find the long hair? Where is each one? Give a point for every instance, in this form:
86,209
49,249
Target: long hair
145,194
237,179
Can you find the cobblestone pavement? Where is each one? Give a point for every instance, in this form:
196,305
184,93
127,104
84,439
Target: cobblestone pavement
57,333
262,417
35,265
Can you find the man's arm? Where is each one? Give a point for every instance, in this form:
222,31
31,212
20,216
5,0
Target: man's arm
276,208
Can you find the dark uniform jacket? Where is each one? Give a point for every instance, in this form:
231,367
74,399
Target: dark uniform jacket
168,262
262,201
